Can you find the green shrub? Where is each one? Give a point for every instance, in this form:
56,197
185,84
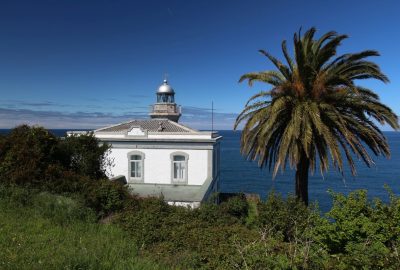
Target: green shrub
236,206
84,155
105,196
57,179
213,214
25,154
288,217
363,233
202,238
145,220
31,155
193,246
32,237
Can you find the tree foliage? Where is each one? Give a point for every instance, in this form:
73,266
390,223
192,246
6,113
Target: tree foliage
25,155
34,157
83,155
30,155
315,112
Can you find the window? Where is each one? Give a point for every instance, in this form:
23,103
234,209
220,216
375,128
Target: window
179,168
165,98
136,166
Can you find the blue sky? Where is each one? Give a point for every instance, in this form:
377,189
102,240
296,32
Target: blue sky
86,64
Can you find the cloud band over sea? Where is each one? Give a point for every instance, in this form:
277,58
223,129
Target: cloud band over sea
196,117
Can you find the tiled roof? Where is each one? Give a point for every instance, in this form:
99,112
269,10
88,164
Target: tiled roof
152,125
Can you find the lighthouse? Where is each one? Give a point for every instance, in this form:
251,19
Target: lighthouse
162,158
165,107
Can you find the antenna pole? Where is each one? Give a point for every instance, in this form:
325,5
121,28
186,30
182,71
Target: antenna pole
212,116
165,76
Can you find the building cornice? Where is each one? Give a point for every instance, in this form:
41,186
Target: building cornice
175,140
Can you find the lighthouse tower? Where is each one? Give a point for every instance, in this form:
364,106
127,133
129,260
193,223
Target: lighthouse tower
165,107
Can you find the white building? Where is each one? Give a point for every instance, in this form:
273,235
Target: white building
159,157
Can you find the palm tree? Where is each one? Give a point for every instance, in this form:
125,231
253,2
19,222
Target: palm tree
314,112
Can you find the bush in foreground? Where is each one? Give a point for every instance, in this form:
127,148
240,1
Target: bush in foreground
28,154
47,231
356,233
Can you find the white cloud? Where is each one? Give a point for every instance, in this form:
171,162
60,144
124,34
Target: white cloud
198,118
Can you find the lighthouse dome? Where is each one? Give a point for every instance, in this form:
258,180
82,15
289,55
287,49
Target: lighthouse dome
165,88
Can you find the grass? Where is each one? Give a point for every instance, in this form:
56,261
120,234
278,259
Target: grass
54,232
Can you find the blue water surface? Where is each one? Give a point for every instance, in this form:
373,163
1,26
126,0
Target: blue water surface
240,175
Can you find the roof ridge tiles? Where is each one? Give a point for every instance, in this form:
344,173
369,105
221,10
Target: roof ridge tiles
151,125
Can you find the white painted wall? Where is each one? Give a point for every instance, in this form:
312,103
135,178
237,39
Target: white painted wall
157,165
112,136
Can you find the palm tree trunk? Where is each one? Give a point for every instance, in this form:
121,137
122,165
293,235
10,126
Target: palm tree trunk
302,179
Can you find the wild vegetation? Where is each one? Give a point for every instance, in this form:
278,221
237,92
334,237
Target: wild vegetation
41,230
66,216
315,113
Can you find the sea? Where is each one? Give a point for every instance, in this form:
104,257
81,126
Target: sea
238,175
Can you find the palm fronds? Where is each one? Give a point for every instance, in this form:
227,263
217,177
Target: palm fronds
315,112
